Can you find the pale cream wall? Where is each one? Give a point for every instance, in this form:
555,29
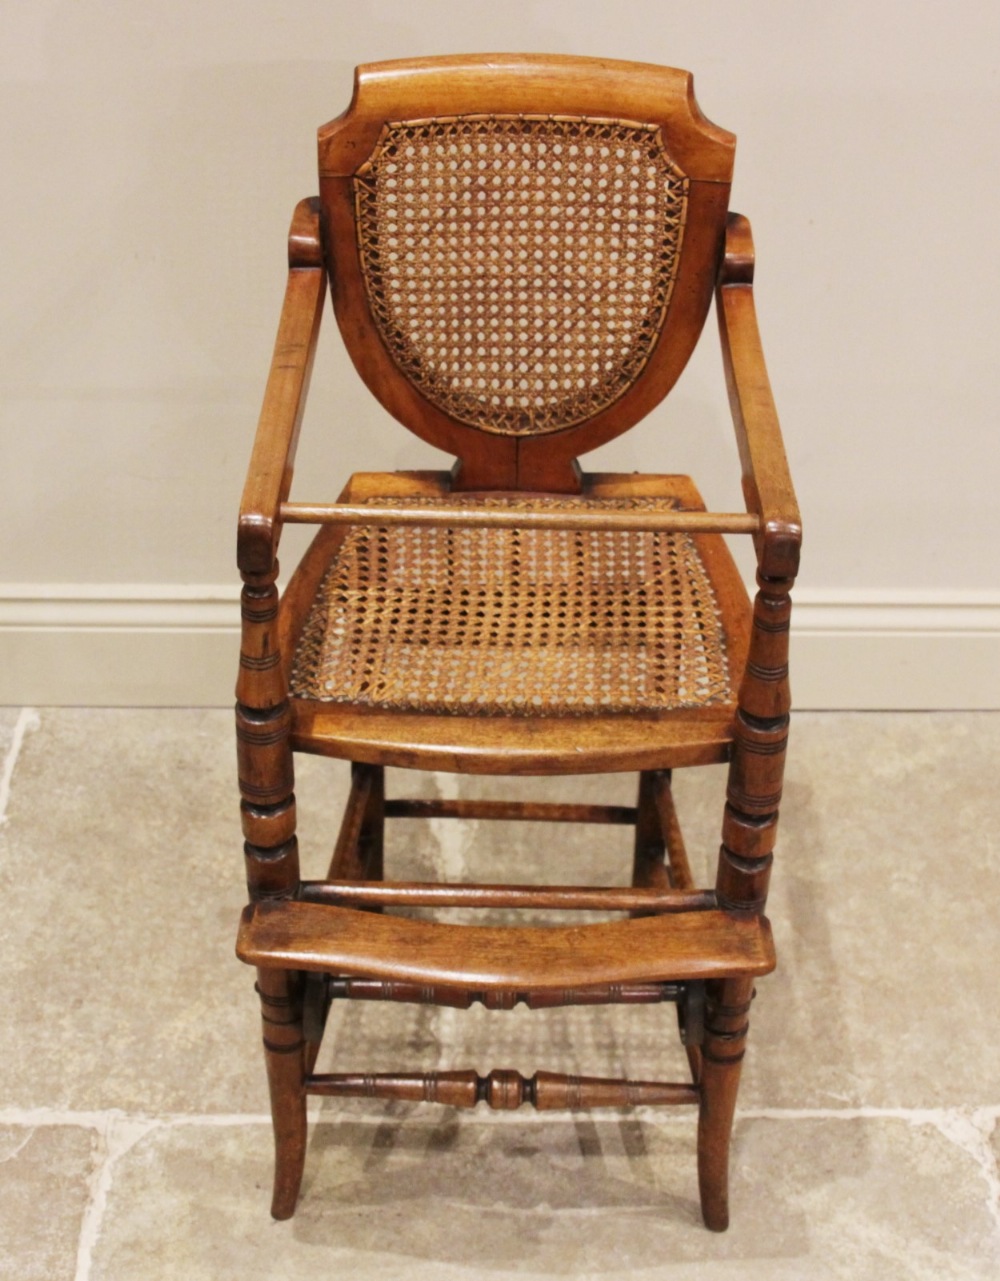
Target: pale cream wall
152,153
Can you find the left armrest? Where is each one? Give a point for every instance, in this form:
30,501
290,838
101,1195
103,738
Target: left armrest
767,483
270,474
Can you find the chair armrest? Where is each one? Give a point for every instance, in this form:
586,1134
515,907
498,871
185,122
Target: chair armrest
767,484
270,474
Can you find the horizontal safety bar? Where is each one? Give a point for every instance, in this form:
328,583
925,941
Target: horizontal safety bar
667,521
569,898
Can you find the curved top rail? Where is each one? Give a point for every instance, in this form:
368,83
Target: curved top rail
411,89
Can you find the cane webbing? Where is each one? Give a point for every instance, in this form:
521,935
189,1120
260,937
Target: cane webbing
519,268
499,622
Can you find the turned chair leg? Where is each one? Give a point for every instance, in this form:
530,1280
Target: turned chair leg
726,1026
284,1049
649,865
267,781
372,842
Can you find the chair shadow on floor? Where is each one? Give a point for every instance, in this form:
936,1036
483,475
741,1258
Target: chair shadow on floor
522,1193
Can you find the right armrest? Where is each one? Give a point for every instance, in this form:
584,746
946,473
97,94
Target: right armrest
270,474
767,483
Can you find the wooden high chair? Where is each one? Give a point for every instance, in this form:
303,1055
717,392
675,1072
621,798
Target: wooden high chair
521,252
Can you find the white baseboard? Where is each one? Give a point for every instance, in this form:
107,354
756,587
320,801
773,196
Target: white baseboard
137,645
118,645
896,650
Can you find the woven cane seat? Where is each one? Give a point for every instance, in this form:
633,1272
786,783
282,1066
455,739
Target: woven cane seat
499,622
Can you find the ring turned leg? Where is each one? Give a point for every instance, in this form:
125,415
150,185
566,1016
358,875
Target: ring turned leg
726,1025
284,1049
266,774
753,795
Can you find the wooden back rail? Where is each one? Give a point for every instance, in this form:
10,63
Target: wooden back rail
557,898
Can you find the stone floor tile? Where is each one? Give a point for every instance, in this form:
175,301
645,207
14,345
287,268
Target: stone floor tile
883,906
446,1196
44,1173
120,869
873,1197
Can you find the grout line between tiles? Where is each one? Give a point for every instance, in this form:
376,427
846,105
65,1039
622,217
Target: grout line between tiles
967,1127
27,719
101,1120
118,1132
972,1132
116,1136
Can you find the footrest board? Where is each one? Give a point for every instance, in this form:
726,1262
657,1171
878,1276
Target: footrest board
696,945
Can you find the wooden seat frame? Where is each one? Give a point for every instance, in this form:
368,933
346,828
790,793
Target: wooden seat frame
316,941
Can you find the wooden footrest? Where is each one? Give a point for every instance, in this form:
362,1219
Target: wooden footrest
695,945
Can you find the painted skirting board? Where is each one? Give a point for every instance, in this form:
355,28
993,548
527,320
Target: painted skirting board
139,645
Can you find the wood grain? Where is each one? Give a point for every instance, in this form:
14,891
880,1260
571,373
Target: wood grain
696,945
559,898
313,942
767,482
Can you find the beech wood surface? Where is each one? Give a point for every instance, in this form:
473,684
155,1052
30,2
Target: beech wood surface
694,945
532,84
767,483
523,518
503,1090
347,863
269,476
491,745
507,811
561,898
463,998
670,832
701,948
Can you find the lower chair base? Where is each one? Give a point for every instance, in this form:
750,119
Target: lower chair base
505,1090
716,1061
676,943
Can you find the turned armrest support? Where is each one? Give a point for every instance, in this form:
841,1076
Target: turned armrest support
270,474
767,483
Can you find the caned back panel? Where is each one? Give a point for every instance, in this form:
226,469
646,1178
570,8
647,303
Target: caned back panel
518,285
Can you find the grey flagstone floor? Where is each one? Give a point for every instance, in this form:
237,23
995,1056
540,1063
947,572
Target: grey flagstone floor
134,1138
